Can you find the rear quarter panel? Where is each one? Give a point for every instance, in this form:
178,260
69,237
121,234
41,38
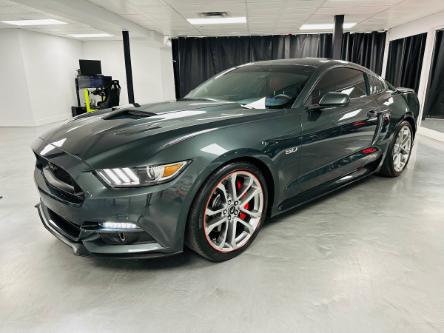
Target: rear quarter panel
396,102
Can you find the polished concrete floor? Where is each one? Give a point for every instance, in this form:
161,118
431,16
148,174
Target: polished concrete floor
436,124
367,259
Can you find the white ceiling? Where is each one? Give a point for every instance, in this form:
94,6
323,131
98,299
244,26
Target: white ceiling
168,17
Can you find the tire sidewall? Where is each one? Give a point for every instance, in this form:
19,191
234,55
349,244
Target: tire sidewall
196,231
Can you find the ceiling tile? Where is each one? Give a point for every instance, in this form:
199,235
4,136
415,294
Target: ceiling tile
168,17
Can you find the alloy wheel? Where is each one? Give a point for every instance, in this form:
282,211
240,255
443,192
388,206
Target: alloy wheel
233,211
402,148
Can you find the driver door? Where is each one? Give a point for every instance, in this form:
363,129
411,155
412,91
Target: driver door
331,135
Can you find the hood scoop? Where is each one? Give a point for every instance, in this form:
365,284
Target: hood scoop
129,114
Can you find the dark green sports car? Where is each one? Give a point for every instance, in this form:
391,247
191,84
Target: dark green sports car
206,171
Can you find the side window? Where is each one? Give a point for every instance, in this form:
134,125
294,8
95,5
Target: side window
345,80
376,85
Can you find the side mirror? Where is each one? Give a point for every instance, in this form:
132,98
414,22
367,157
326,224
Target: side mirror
277,101
333,99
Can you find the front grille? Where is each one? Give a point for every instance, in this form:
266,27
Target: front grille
40,162
61,184
126,238
62,175
70,229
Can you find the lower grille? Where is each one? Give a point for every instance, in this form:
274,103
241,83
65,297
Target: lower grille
69,229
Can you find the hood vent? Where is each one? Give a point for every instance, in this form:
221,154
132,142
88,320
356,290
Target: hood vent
129,114
213,14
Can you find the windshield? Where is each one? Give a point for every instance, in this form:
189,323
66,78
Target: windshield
251,85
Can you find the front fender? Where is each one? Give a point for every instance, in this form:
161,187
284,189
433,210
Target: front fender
256,157
210,151
203,168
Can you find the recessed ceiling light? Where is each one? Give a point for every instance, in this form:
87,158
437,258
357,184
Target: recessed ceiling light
35,22
217,20
90,35
326,26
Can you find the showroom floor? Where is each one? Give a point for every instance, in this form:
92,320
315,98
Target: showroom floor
367,259
434,124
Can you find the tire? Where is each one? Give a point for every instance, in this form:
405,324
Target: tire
215,214
390,168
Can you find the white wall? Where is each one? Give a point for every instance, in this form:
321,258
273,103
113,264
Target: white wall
50,66
153,78
15,105
167,73
427,24
36,77
37,74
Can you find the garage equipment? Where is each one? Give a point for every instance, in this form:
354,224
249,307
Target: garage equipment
98,91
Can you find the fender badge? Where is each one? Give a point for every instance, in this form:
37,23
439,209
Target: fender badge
291,150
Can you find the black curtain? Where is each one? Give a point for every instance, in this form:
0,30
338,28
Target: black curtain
434,106
404,62
365,49
197,59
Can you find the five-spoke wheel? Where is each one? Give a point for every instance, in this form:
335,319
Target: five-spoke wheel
228,212
233,211
401,148
398,153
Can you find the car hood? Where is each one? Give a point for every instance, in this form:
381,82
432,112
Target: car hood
102,131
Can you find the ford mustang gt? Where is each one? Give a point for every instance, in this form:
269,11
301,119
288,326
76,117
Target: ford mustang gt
207,170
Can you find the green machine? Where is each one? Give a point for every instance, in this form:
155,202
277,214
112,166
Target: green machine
94,91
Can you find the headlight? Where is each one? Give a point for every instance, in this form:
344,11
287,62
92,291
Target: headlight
142,176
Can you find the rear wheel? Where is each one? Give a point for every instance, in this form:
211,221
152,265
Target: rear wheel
228,212
399,151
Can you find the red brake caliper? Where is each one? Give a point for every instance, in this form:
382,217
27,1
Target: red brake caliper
247,205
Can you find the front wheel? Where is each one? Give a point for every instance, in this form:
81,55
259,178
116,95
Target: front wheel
399,151
228,212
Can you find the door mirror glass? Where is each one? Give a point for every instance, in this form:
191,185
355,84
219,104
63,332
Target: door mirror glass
278,101
333,99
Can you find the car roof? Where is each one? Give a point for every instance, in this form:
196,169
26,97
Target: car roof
312,62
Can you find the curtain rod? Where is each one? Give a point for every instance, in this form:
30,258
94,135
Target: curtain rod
297,34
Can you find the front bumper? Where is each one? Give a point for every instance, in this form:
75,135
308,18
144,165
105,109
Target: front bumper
160,212
77,247
92,244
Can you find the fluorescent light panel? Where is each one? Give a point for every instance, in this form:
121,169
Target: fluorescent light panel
35,22
326,26
90,35
217,20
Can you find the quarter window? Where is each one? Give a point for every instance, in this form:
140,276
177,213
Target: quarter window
345,80
377,86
